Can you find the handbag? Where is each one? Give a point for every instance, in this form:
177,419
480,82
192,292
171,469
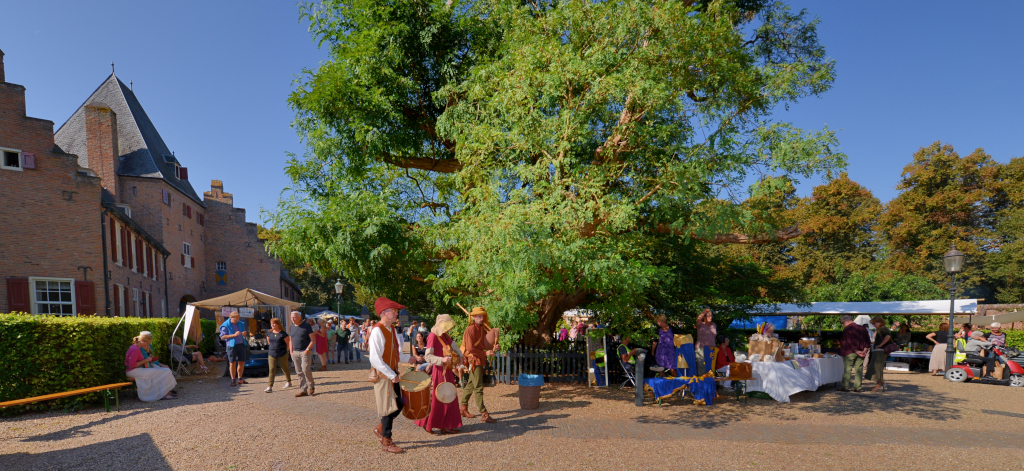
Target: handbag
890,347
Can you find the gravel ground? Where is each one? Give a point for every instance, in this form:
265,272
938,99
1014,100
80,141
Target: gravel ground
213,426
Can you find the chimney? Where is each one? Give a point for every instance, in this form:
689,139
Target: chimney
217,194
2,79
103,156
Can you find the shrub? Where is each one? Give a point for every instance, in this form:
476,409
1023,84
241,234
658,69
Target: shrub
209,330
50,354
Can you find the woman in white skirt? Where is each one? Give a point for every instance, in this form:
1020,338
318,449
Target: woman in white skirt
154,382
937,364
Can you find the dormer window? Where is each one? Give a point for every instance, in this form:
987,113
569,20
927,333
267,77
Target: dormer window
177,171
127,210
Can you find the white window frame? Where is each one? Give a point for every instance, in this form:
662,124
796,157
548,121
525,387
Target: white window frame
186,248
131,252
117,249
222,266
126,208
32,294
121,306
21,160
135,302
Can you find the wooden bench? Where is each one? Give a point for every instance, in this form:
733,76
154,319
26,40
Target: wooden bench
107,390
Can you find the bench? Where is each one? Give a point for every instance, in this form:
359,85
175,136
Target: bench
107,390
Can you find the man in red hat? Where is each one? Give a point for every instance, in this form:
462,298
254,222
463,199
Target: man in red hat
384,349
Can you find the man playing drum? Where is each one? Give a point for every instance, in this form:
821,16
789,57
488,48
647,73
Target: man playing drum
479,341
441,354
384,349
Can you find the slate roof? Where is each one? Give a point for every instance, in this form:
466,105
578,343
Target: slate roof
143,152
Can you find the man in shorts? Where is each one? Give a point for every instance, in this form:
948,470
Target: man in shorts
233,331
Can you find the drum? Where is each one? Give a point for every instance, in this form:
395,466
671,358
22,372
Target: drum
415,387
446,392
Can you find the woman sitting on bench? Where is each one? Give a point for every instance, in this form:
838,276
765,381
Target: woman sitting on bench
154,382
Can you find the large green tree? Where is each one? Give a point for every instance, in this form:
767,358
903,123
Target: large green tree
944,199
1004,266
536,156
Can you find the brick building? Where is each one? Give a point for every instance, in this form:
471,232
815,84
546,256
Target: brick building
159,244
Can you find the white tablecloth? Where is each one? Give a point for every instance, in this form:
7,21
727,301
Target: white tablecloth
780,380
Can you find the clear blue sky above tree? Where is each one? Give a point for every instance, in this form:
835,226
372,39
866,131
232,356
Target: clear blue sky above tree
214,77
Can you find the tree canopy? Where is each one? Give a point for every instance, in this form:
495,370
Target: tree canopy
532,157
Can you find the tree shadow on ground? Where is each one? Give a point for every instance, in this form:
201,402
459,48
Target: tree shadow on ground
123,453
508,427
902,397
78,431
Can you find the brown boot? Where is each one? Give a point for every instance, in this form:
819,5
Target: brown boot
389,446
464,410
312,390
379,432
485,417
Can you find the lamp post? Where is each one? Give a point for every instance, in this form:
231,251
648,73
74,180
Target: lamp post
953,262
339,288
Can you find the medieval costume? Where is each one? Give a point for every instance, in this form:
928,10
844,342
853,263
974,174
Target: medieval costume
384,349
476,342
440,346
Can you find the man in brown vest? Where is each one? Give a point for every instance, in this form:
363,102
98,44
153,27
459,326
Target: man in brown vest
384,349
479,342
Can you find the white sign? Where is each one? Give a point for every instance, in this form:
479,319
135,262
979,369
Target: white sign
246,312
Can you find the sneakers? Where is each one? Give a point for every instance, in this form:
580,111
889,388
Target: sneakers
268,390
287,386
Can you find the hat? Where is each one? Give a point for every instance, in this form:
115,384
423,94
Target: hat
383,304
480,311
442,324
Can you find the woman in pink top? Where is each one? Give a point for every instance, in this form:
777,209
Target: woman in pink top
154,382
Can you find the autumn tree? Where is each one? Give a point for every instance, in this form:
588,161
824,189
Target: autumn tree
944,199
537,156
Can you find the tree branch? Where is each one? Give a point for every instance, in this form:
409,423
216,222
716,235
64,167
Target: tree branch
424,163
788,233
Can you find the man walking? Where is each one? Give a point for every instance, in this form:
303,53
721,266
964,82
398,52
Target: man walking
233,332
384,350
344,348
302,336
478,346
854,345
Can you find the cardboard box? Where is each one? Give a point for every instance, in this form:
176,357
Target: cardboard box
765,348
741,370
808,343
817,355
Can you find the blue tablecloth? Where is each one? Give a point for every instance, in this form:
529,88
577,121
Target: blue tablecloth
665,387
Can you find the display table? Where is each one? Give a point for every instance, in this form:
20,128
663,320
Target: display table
920,355
662,387
781,380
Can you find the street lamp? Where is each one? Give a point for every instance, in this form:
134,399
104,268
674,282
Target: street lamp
339,288
953,262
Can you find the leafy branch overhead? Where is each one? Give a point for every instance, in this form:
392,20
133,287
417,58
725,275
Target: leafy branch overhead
534,157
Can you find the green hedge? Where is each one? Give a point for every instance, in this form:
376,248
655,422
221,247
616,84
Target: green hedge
50,354
209,330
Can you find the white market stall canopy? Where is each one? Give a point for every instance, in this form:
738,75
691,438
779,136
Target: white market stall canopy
245,298
879,308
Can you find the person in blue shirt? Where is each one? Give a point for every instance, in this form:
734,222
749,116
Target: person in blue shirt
233,331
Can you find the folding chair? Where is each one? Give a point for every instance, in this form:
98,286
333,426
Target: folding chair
181,364
628,369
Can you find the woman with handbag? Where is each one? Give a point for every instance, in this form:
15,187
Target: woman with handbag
442,354
883,346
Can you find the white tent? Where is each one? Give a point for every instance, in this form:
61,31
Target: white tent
879,308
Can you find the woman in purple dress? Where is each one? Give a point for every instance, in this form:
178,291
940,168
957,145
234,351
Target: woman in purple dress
443,354
706,333
665,354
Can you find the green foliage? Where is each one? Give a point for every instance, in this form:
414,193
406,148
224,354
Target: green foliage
209,330
1005,267
534,157
944,199
49,354
1015,339
877,284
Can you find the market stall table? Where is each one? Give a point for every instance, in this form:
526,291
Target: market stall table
921,357
782,379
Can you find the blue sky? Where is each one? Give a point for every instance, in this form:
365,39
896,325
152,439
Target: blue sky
214,76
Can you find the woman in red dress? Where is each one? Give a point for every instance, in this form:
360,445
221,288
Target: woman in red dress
443,355
321,345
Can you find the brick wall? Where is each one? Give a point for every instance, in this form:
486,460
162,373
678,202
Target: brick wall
50,223
235,242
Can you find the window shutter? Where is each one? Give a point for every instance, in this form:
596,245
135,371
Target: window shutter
149,308
28,161
156,266
124,248
117,300
17,295
113,240
189,212
202,220
183,173
167,196
139,255
85,298
193,261
146,264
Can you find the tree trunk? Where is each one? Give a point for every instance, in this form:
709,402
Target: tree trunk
549,312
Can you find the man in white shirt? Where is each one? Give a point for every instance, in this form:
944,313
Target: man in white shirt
384,353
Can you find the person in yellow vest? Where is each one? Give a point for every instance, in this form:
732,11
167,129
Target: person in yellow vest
384,349
961,348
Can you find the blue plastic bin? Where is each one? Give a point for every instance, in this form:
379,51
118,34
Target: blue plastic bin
529,391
